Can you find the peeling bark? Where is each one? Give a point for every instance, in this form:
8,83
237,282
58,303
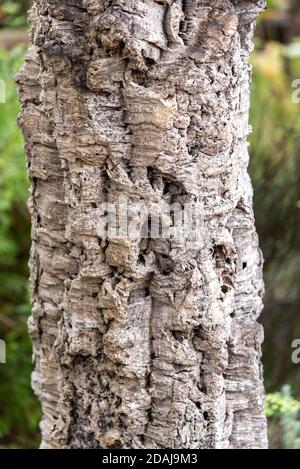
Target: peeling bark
146,343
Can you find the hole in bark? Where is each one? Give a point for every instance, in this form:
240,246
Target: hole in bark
225,288
194,149
202,388
165,264
205,415
150,171
198,405
121,46
141,259
105,94
199,333
150,418
154,178
227,281
137,294
219,256
122,421
115,445
138,77
149,62
103,423
179,336
148,380
166,271
244,265
171,187
118,402
182,29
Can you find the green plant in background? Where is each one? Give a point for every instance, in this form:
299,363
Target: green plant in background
13,12
19,411
277,4
283,412
281,403
275,162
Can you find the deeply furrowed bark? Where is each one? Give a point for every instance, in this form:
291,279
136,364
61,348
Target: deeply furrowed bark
148,343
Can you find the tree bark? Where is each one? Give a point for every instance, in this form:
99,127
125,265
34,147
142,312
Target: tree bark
143,343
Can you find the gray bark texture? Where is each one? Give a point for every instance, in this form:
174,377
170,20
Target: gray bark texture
143,343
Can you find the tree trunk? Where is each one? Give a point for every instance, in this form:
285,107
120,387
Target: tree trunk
143,342
294,18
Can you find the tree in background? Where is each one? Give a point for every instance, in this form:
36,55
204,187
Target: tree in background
295,17
143,342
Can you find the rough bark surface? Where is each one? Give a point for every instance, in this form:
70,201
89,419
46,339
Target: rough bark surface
143,343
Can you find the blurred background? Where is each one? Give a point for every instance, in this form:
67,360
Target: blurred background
275,171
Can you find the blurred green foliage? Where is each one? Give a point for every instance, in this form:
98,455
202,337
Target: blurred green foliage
13,12
274,165
281,403
283,412
277,5
19,412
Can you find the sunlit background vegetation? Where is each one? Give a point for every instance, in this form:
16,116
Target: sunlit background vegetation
275,158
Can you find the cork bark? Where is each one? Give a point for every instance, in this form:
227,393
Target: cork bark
143,342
